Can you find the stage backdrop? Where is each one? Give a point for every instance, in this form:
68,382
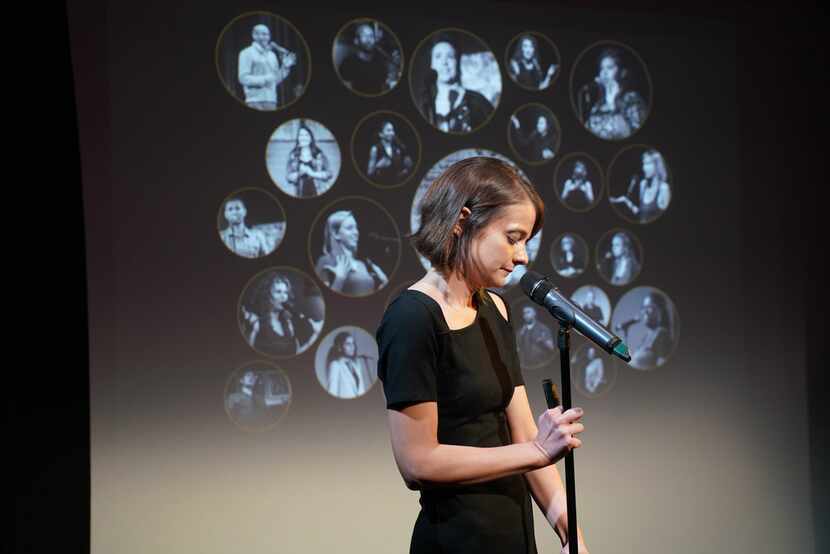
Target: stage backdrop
234,398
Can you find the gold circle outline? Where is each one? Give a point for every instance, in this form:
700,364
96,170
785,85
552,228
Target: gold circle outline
293,28
676,318
279,205
417,138
558,134
507,60
271,425
397,40
670,182
598,167
639,245
587,253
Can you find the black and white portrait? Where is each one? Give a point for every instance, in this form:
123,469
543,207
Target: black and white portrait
535,334
368,57
532,61
455,81
346,362
639,185
646,320
534,134
594,302
611,90
532,245
569,255
619,257
281,312
594,371
578,181
303,158
251,223
354,246
257,396
263,61
386,149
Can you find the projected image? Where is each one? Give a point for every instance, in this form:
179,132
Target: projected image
346,362
263,61
611,90
569,255
386,149
639,184
251,223
535,334
578,182
257,396
534,134
619,257
646,319
532,61
303,158
532,245
455,81
594,302
354,246
281,312
594,372
368,57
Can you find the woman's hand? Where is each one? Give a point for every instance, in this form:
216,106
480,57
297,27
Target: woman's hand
252,320
555,437
340,269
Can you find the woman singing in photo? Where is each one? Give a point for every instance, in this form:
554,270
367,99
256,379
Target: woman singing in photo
308,167
648,195
525,67
347,371
461,427
389,162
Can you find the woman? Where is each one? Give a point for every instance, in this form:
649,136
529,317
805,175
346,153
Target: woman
607,107
275,327
445,103
389,162
525,68
537,146
621,264
654,347
339,267
308,166
346,372
649,197
461,427
567,263
579,188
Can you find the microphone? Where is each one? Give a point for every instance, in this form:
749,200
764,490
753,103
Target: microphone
542,291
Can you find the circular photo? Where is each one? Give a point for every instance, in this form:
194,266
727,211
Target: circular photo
534,134
281,312
535,334
386,149
578,182
346,362
646,320
619,257
594,371
594,302
435,171
354,246
455,81
639,184
257,395
532,61
611,90
263,61
569,255
251,223
368,57
303,158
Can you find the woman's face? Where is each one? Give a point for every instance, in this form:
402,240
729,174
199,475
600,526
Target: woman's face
527,48
388,131
304,138
502,245
542,125
235,212
349,346
444,62
348,234
617,246
649,166
279,294
608,69
567,244
580,171
649,313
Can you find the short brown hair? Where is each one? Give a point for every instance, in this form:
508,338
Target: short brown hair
485,186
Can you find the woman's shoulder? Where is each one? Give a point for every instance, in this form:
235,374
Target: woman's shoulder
412,309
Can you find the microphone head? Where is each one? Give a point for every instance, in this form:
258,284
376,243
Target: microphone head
535,285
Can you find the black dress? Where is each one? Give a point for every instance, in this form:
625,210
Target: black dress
471,373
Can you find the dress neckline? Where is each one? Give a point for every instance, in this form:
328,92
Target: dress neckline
444,318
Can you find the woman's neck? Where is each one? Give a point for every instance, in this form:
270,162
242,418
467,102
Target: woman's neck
453,288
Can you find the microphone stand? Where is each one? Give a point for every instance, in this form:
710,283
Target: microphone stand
564,344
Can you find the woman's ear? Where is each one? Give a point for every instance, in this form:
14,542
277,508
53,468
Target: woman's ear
463,217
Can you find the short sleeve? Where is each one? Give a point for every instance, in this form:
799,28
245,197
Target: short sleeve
512,355
408,354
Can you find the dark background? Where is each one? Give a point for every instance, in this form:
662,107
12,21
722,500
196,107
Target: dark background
780,59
